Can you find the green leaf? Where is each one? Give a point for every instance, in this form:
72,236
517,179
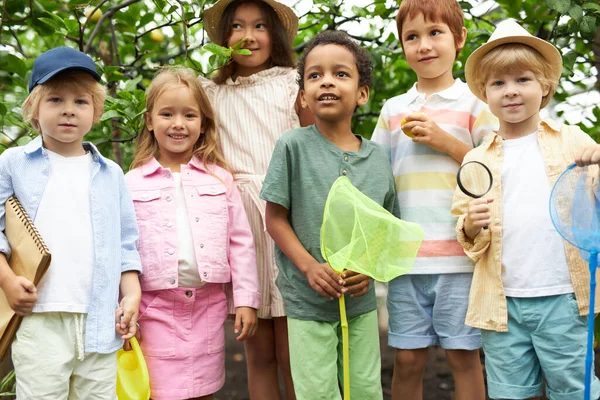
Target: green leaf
110,114
588,27
244,52
593,7
238,45
218,50
23,140
12,63
561,6
131,85
51,23
576,12
3,109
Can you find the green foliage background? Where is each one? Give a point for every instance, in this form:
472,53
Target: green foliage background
122,44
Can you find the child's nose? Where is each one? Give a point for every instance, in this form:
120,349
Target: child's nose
425,44
68,109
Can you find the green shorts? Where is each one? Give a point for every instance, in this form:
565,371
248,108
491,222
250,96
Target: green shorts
316,358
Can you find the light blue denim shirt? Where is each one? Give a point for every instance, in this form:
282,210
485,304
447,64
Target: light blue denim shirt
24,172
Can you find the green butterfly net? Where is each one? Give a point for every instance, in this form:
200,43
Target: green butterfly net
361,236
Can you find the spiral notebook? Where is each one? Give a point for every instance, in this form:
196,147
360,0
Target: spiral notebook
30,258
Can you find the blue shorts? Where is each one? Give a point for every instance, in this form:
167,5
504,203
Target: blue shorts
429,310
546,338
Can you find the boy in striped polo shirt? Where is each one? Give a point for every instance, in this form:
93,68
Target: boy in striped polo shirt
427,131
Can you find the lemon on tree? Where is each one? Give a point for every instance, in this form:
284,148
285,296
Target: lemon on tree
157,36
95,17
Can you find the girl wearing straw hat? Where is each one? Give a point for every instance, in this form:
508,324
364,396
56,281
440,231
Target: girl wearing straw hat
529,293
255,100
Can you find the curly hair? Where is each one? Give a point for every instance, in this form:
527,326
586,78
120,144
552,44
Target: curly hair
340,38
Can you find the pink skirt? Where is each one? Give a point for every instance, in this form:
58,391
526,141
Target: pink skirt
183,341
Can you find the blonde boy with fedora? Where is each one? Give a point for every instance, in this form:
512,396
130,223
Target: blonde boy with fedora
528,294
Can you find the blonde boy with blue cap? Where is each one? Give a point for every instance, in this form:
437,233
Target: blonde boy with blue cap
530,290
73,320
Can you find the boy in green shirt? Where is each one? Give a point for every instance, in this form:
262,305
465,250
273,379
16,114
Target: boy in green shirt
335,76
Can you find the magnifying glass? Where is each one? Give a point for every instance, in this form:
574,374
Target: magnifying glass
474,179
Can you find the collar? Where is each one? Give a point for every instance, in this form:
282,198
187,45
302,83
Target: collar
553,126
37,146
153,165
454,92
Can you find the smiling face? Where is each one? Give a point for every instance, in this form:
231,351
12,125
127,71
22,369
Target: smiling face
515,98
331,83
176,122
430,49
65,116
250,24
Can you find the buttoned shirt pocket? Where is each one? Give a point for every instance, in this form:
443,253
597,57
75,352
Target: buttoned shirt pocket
147,210
210,221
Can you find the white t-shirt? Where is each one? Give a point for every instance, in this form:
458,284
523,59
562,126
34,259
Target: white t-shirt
64,220
188,274
534,263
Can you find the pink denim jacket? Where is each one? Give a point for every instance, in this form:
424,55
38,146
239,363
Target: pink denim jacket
220,230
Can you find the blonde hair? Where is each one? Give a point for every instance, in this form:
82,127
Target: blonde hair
70,80
207,148
514,58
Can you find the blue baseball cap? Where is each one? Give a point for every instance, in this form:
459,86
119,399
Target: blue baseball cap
58,60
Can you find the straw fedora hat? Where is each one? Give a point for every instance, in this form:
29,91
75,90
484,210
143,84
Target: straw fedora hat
213,15
509,31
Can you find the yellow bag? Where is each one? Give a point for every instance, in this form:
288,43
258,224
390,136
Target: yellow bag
133,381
361,236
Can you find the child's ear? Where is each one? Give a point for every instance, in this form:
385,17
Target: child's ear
303,102
148,121
363,95
462,41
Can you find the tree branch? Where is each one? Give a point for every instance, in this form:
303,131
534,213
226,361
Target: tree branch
108,14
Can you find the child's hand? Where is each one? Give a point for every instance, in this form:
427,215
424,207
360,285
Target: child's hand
588,155
357,284
245,318
20,293
425,130
127,316
324,280
478,216
138,336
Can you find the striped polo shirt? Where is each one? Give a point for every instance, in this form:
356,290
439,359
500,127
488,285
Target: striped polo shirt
425,178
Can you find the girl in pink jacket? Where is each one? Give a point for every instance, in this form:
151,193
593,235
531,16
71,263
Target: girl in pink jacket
194,236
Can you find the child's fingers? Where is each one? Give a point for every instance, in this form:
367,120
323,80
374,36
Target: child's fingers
354,280
126,345
238,322
244,334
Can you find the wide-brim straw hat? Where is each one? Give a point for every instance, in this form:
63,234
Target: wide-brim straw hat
509,31
213,15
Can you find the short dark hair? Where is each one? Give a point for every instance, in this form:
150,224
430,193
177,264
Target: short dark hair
340,38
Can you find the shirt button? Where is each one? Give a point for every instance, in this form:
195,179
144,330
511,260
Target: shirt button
192,195
497,220
197,219
187,173
188,293
169,198
171,252
201,245
496,258
168,174
344,172
144,196
169,224
172,281
345,158
205,274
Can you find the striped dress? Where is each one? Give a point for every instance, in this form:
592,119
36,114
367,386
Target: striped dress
252,113
426,178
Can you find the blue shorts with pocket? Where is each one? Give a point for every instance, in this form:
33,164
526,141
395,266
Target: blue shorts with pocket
429,310
546,338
